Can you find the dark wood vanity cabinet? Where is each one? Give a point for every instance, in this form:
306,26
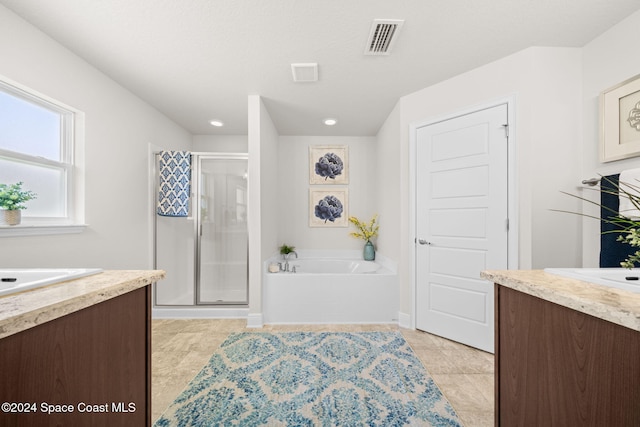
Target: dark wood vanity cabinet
88,368
556,366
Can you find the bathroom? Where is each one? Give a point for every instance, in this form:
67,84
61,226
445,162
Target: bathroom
117,206
553,91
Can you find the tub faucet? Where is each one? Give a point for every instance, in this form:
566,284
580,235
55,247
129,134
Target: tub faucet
286,260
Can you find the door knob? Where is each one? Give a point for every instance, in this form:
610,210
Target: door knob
424,242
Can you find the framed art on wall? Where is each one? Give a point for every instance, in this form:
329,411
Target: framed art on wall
620,121
328,207
328,164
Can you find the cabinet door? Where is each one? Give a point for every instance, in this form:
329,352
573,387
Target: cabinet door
559,367
95,361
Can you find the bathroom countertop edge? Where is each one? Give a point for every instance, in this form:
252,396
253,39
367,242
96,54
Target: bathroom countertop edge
21,311
614,305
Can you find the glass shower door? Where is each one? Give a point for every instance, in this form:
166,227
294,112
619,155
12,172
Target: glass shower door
223,239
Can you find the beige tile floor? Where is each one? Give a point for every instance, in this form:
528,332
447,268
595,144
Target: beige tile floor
180,348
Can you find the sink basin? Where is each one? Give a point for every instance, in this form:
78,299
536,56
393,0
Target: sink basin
14,280
621,278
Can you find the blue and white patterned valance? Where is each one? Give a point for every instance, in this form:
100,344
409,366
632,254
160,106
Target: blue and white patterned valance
174,183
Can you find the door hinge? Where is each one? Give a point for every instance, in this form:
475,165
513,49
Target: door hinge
506,130
506,223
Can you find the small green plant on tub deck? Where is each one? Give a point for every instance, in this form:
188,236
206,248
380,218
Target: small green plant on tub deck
286,249
13,197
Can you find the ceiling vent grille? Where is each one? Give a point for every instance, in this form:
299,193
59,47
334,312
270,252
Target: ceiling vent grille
307,72
382,36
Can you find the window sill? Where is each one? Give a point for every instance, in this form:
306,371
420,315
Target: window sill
39,230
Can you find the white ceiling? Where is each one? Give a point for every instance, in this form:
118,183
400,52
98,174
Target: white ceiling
197,60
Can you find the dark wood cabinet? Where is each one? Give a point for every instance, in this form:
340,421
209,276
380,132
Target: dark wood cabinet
95,364
556,366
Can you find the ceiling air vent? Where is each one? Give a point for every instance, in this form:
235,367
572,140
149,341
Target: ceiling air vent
382,36
307,72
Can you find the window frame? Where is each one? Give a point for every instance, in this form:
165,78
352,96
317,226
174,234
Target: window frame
70,163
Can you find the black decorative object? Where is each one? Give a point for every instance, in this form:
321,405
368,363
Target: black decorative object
612,251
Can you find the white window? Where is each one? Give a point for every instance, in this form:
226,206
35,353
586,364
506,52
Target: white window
37,140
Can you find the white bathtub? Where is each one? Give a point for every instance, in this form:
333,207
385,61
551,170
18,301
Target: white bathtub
621,278
333,266
14,280
331,290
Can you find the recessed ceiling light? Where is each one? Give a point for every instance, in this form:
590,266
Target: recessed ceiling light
330,122
216,123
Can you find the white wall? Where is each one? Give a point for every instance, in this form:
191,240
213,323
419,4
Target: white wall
554,162
270,164
254,226
293,192
387,181
221,143
607,60
546,85
119,129
263,212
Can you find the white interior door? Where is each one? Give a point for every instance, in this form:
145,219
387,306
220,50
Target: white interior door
461,223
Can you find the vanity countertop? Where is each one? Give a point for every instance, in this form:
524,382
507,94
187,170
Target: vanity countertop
30,308
614,305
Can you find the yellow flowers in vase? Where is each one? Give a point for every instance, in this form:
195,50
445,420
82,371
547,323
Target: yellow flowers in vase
366,231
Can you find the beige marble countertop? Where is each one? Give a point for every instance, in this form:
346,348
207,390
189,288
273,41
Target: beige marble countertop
611,304
30,308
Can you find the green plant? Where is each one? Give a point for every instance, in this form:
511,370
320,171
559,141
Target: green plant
366,231
12,196
628,227
286,250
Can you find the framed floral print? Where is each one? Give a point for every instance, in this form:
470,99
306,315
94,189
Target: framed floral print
328,207
328,164
620,121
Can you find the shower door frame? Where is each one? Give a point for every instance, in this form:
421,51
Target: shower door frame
194,214
197,224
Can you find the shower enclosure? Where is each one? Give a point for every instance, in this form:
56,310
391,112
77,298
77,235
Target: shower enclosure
205,254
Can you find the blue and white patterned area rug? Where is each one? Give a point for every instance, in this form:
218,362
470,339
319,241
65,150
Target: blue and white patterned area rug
312,379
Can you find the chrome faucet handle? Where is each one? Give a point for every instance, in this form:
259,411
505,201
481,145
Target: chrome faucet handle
293,269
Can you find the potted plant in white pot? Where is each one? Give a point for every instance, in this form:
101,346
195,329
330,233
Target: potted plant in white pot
12,199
